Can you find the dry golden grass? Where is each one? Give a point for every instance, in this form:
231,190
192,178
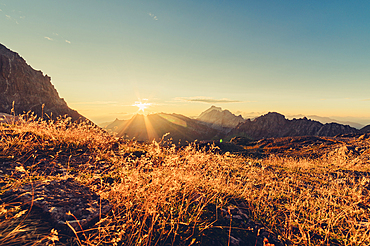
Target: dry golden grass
169,196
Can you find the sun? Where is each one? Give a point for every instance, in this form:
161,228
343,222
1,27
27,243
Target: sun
142,106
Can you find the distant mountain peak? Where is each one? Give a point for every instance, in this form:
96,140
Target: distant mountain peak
273,114
220,119
212,108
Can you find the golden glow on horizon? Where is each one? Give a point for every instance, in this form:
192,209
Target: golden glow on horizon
142,106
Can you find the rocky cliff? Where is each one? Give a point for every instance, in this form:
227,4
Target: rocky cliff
220,119
276,125
28,89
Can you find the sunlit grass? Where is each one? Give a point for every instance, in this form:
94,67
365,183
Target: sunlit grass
170,196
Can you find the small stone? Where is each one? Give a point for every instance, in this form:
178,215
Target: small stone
234,241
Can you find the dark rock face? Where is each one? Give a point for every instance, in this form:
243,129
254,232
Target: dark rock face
276,125
28,89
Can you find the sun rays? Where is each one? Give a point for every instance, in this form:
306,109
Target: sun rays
144,124
141,118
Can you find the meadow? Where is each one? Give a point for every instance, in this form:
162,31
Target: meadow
165,195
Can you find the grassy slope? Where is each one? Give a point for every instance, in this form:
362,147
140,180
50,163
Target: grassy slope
169,196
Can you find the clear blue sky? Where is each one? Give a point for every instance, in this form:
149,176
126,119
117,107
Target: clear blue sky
293,57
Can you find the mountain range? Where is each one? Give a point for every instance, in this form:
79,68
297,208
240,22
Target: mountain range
23,89
276,125
215,124
328,120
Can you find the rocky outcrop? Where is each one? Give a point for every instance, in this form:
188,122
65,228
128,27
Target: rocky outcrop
276,125
28,89
220,119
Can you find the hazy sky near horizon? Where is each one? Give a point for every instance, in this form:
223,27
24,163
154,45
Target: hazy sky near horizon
251,57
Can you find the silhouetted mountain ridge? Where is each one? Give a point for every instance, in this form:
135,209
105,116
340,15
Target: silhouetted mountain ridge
329,120
276,125
271,125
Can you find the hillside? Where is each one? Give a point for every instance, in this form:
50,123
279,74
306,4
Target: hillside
365,129
28,89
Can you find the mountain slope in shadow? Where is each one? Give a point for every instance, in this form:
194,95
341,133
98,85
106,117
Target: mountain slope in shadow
155,126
